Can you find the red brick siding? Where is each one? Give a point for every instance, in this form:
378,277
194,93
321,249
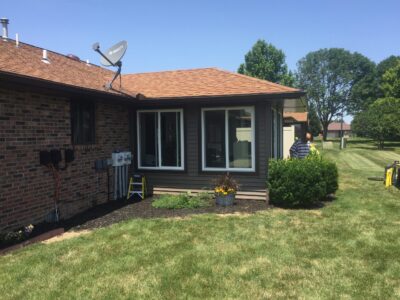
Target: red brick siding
31,122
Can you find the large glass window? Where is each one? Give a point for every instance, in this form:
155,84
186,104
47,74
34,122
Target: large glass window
148,139
228,139
170,139
160,139
215,139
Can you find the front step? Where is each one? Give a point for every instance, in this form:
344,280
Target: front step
240,195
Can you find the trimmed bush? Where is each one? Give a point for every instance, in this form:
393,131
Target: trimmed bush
331,176
182,201
301,182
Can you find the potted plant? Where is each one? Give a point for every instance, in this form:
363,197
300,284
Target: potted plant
225,190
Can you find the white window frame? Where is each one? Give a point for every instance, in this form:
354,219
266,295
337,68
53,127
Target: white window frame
158,112
253,135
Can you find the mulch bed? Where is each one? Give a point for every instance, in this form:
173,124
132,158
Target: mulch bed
117,211
39,237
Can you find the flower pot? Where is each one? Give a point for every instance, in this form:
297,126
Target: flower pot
225,200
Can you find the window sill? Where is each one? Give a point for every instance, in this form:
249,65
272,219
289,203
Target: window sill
88,147
228,170
160,169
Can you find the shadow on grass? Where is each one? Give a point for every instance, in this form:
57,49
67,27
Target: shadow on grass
366,144
317,205
314,206
389,149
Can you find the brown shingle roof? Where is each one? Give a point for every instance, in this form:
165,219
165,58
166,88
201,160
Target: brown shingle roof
200,83
336,126
26,61
296,116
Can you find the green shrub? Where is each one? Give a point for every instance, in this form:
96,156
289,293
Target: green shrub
182,201
301,182
330,175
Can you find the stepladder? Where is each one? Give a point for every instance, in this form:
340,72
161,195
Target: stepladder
137,186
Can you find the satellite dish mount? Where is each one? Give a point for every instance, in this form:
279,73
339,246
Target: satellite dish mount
112,57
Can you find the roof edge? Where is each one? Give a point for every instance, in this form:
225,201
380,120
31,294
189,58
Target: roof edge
37,81
292,95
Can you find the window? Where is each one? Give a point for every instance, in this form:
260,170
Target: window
83,123
160,139
228,139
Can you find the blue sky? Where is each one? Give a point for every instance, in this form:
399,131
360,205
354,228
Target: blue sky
164,35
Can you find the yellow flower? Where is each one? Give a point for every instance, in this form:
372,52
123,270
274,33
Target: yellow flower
225,193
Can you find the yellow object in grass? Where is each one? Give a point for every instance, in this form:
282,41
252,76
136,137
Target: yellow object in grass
313,149
389,176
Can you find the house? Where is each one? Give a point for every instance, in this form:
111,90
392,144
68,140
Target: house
294,124
335,129
183,128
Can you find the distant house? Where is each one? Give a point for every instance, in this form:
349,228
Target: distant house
335,128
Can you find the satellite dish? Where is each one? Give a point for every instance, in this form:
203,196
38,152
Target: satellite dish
114,54
112,57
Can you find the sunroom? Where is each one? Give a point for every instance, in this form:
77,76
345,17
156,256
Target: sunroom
183,141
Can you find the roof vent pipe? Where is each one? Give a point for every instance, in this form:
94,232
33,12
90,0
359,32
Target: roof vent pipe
44,57
4,22
16,40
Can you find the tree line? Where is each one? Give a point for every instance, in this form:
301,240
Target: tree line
337,82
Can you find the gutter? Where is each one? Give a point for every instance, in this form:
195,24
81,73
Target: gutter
290,95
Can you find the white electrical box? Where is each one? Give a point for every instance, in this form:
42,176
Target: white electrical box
127,158
117,159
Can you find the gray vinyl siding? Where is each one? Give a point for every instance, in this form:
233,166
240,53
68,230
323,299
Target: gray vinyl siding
193,177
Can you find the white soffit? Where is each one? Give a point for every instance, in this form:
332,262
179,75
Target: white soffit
295,105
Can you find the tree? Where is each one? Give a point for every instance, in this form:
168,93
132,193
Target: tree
288,79
386,64
328,75
368,87
380,121
365,86
390,83
314,125
266,62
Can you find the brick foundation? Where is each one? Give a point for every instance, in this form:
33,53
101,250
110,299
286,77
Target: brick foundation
31,122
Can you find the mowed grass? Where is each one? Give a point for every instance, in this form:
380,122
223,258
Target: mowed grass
348,249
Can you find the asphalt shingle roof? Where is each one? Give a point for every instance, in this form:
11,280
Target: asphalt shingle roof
200,83
26,61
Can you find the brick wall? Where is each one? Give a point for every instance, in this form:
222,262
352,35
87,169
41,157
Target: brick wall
31,122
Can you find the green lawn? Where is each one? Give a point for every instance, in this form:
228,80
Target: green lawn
348,249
